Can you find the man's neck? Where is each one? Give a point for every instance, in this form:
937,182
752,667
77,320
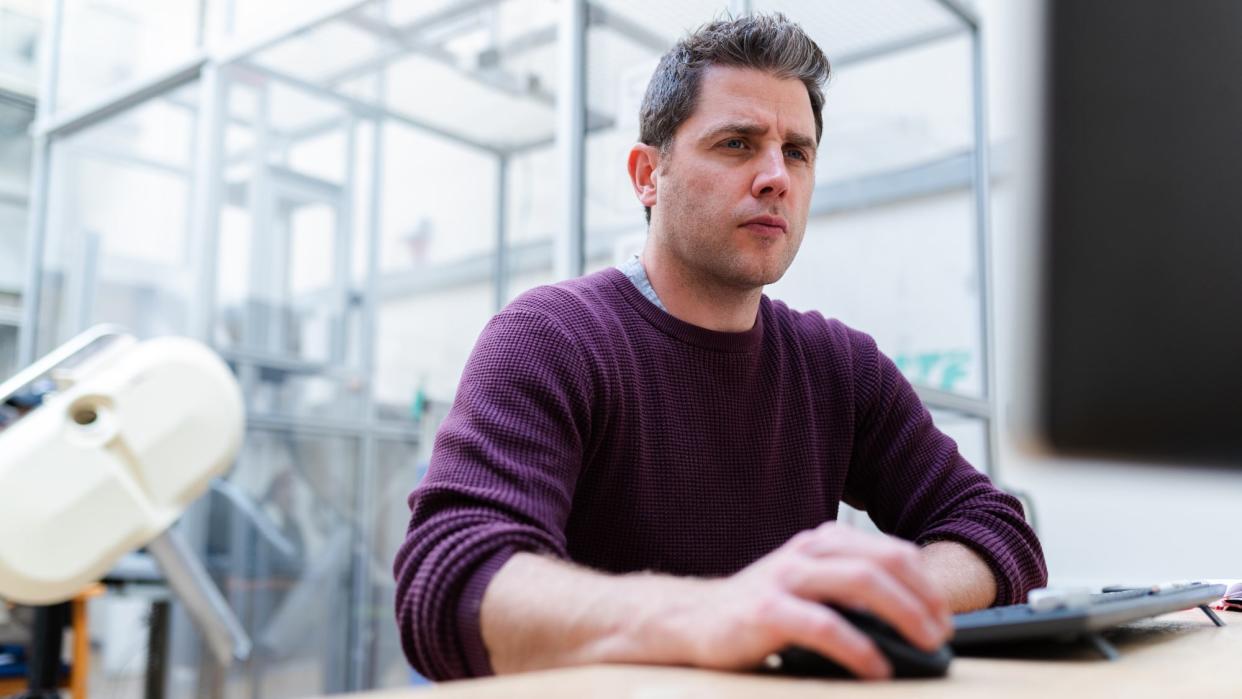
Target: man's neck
691,299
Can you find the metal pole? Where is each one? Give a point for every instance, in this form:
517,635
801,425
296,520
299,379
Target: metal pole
158,659
204,233
342,260
205,207
360,656
363,108
43,670
571,137
42,151
983,234
123,98
963,11
502,233
262,215
360,574
188,578
83,297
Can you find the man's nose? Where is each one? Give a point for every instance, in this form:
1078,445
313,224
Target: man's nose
772,179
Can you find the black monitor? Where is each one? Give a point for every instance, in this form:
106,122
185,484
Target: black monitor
1140,354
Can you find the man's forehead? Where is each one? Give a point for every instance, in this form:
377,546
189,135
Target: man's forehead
729,95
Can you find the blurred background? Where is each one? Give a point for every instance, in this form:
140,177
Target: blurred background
336,196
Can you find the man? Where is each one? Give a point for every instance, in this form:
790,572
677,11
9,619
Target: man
644,464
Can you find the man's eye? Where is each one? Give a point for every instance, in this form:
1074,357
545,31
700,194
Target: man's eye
734,144
796,154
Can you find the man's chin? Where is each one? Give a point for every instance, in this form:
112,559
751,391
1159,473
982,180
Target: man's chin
756,278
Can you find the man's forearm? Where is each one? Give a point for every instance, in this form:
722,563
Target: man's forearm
540,612
962,576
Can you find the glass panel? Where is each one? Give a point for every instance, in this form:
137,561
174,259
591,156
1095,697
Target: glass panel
437,254
399,467
423,342
117,238
279,535
439,205
294,390
535,202
897,111
285,297
106,43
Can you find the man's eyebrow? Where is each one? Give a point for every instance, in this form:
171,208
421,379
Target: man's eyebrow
741,128
746,128
802,141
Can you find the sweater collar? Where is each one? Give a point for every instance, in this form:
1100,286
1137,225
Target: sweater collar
745,341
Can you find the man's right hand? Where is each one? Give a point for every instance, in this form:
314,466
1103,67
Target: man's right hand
779,601
541,612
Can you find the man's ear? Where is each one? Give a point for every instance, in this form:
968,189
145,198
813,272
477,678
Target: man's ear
643,164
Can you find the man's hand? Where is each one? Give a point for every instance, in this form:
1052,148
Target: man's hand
540,613
779,601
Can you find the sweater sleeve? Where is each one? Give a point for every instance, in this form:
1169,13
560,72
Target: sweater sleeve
914,484
501,480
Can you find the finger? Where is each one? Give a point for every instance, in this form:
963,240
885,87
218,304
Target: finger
860,583
818,628
900,558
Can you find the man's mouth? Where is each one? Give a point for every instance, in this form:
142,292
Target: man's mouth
771,226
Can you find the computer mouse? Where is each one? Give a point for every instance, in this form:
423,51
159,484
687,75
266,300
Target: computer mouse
907,660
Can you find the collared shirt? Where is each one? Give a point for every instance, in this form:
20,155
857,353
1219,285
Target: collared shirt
633,268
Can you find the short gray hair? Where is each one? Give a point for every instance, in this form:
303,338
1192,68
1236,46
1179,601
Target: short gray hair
770,43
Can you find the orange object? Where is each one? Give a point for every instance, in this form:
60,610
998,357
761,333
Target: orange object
80,660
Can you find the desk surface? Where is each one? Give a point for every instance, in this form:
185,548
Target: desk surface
1175,655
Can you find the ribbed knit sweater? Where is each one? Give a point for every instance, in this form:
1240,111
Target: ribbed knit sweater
593,426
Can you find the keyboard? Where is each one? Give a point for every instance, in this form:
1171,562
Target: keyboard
1083,616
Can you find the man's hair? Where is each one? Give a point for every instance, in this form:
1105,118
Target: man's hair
770,43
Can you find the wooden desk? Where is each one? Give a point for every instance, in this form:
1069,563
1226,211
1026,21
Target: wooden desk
1178,655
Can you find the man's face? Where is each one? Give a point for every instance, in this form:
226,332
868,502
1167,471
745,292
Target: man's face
733,191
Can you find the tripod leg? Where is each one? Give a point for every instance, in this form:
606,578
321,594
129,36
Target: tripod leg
1106,649
1211,615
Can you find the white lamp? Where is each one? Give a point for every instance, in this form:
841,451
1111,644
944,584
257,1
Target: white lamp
133,433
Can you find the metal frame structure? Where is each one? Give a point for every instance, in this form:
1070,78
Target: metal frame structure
569,250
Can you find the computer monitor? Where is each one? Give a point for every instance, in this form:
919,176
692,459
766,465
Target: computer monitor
1140,354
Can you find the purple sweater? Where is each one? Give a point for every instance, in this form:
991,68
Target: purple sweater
592,426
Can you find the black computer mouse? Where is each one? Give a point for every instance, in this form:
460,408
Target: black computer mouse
907,660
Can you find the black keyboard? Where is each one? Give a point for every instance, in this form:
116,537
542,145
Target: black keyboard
1080,617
